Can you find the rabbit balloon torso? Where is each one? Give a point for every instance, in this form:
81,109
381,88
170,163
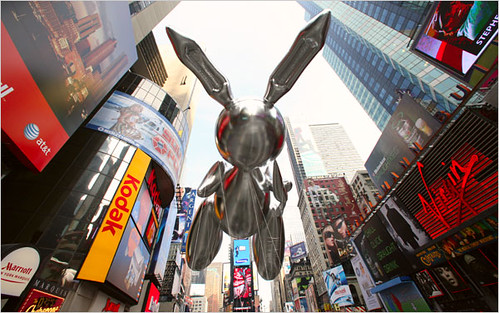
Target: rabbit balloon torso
249,134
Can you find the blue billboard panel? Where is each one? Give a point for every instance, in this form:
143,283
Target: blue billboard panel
139,124
188,201
298,251
337,286
241,252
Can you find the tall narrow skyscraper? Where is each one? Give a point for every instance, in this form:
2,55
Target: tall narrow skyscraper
368,47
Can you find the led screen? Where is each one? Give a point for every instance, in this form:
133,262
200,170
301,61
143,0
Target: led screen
458,32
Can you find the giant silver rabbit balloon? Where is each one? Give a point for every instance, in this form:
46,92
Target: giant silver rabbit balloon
249,134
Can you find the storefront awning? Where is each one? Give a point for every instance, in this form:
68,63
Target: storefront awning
391,283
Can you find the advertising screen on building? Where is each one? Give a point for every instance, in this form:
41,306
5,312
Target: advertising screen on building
160,256
458,32
152,296
298,251
142,209
379,250
337,286
428,285
243,283
130,263
139,124
188,201
39,301
403,227
365,282
242,252
59,60
336,240
404,297
106,242
408,131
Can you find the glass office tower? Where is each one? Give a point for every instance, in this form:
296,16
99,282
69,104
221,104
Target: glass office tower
368,47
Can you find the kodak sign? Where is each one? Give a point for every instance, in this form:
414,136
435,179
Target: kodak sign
106,242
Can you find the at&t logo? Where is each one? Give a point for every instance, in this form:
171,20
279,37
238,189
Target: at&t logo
31,132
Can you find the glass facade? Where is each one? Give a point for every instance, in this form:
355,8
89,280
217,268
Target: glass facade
367,47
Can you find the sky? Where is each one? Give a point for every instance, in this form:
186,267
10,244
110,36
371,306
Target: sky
245,41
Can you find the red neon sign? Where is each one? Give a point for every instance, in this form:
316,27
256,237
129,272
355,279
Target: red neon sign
459,195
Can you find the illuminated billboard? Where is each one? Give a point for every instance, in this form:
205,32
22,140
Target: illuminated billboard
243,283
242,252
58,62
139,124
129,266
379,250
407,132
337,286
106,242
457,33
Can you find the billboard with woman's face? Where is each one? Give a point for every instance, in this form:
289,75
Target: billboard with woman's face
458,32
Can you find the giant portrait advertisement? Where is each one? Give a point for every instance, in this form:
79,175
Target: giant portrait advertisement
408,131
337,286
403,227
139,124
458,32
59,60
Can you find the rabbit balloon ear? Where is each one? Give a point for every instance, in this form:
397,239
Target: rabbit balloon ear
308,43
192,56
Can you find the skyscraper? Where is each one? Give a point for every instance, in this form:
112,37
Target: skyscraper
368,47
321,149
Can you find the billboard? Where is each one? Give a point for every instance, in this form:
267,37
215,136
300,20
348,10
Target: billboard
142,209
19,265
226,277
428,285
188,201
243,283
298,251
336,240
129,266
59,60
404,298
337,286
457,33
408,130
39,301
242,252
365,283
380,252
152,296
139,124
106,242
160,256
403,227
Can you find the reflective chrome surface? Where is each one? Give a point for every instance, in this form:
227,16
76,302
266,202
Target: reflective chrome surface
249,134
205,237
268,246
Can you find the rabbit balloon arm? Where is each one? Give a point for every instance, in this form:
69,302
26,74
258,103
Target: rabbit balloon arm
189,53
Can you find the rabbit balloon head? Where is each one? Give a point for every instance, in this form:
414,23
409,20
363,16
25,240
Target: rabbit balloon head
249,132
